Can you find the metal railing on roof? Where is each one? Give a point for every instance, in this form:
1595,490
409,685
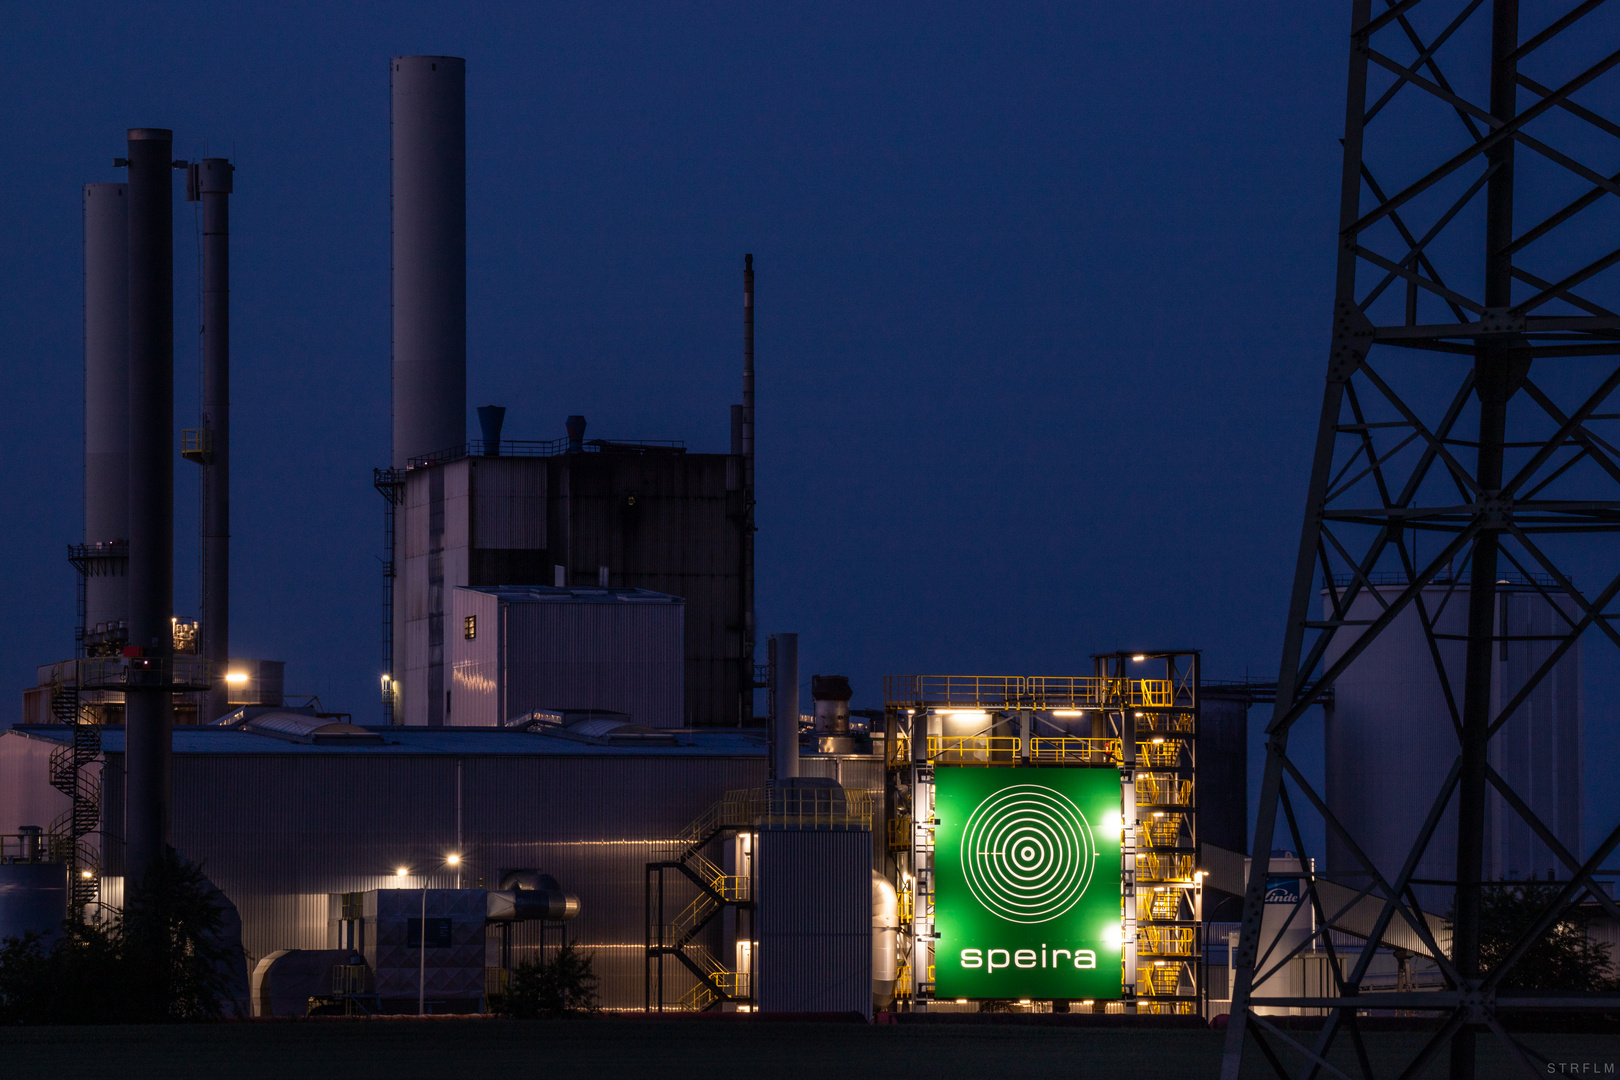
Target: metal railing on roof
173,673
1039,692
546,448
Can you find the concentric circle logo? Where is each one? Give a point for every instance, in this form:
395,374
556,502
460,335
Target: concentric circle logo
1027,853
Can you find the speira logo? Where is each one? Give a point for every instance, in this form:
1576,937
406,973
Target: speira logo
1027,853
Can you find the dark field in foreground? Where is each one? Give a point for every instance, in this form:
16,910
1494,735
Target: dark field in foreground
672,1050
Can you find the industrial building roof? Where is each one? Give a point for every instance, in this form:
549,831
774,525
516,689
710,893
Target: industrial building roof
578,594
470,742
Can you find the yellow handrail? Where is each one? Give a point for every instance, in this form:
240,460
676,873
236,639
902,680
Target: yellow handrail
1039,692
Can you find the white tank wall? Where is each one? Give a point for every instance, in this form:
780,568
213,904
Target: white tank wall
1390,740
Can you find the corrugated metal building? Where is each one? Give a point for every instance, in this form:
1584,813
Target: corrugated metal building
281,824
814,897
515,649
647,517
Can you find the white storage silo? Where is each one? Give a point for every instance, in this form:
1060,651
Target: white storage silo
1390,741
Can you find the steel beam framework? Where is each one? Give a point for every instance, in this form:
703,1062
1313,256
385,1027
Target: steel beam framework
1467,422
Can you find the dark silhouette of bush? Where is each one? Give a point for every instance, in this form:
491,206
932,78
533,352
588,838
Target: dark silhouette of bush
162,960
562,986
1563,958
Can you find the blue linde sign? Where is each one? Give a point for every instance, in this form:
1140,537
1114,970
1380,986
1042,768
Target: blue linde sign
1282,890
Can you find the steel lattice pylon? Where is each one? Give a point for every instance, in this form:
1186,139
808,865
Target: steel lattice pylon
1466,423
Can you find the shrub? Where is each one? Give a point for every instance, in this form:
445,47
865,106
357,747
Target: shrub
564,985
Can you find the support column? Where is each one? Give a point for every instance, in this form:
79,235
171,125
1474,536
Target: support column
148,711
1498,374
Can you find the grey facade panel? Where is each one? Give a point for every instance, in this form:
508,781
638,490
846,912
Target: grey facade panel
616,656
814,930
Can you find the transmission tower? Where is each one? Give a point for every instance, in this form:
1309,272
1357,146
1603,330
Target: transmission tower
1466,439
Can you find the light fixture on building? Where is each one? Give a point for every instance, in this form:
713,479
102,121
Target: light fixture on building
236,678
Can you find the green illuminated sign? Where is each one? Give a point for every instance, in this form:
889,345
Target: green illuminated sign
1027,883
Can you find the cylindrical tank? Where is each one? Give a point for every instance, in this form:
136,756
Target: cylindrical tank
148,713
786,721
33,898
1290,925
429,138
831,694
1223,769
1391,742
106,397
885,927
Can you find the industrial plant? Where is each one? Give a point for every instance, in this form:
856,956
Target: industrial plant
581,734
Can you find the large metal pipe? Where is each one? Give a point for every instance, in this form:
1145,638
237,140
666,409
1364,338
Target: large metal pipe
746,449
429,131
214,190
786,721
106,397
148,711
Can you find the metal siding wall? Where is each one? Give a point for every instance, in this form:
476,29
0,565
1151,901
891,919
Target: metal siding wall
814,921
1223,773
26,795
622,657
1538,751
1391,697
509,504
280,833
679,539
475,665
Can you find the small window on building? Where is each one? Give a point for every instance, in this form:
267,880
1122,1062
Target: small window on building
470,627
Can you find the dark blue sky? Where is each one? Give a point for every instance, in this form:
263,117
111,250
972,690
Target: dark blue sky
1043,301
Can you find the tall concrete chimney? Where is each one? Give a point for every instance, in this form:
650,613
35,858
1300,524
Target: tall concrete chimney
148,710
429,129
106,399
213,188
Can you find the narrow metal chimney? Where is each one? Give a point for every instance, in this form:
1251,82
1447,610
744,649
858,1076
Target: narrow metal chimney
148,709
106,402
429,129
786,721
746,448
490,418
213,188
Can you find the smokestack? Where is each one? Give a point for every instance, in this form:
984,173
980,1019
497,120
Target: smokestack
106,398
786,721
213,188
429,127
490,418
744,426
575,426
148,710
